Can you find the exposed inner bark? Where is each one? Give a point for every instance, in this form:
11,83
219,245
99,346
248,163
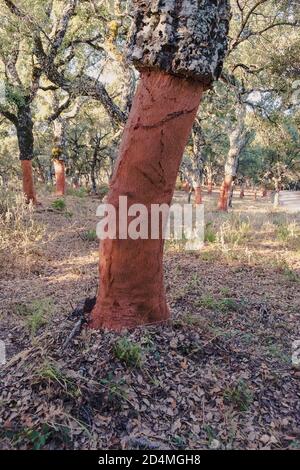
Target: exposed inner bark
198,195
28,185
225,193
59,168
131,271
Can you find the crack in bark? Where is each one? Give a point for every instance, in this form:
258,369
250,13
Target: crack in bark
168,118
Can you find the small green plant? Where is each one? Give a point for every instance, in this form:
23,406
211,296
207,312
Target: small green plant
128,352
210,432
103,190
38,438
224,305
68,214
239,395
289,273
115,389
52,373
36,313
59,204
225,291
90,235
79,192
210,235
178,441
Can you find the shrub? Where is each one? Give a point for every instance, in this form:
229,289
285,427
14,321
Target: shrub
128,352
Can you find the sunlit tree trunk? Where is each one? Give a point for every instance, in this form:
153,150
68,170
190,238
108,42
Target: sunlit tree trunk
58,156
237,142
197,162
175,69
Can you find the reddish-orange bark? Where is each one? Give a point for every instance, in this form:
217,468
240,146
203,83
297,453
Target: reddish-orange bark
198,195
59,168
224,194
28,184
186,186
264,192
131,271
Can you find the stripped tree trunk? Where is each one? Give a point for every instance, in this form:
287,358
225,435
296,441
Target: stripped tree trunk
58,156
178,46
264,192
237,142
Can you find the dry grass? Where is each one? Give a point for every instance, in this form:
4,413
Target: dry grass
218,375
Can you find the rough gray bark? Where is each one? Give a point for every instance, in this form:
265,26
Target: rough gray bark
24,128
237,141
187,38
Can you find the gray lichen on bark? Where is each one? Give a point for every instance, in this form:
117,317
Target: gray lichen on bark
187,38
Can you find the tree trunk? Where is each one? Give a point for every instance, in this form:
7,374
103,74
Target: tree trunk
59,169
242,192
210,187
264,192
24,128
131,271
28,185
237,141
179,49
58,155
197,162
276,199
198,195
224,194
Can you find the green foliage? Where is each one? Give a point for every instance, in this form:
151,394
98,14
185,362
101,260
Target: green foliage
103,190
239,395
128,352
77,192
36,314
222,305
59,204
90,235
210,235
52,373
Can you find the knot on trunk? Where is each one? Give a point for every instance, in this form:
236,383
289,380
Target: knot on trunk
180,37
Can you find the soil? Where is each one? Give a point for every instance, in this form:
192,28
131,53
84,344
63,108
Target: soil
218,375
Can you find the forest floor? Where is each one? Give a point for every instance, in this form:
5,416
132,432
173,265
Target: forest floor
219,375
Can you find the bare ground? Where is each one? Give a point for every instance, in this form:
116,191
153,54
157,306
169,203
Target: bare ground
219,375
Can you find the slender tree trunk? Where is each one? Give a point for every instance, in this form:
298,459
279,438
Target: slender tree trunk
198,195
242,191
28,184
58,156
60,178
230,198
24,128
210,186
224,194
179,49
237,142
146,171
197,162
264,192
